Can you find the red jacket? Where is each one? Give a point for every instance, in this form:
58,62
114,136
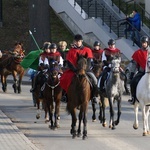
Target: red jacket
140,56
67,76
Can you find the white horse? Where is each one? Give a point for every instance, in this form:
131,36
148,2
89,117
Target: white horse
114,90
143,96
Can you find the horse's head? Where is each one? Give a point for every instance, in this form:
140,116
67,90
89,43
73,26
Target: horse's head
81,63
18,50
115,64
97,69
54,69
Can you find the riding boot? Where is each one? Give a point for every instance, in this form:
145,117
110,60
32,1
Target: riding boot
132,101
33,84
94,94
64,97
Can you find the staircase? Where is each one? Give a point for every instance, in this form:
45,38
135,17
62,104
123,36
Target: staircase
96,9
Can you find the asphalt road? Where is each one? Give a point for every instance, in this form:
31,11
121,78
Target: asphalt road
19,107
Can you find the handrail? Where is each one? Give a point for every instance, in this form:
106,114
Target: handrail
112,23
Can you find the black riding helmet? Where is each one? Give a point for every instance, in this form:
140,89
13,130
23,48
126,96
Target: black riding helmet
111,42
47,46
53,46
97,43
144,39
78,37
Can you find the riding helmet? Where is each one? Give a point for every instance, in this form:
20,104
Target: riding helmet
47,46
111,42
78,37
144,39
97,43
53,46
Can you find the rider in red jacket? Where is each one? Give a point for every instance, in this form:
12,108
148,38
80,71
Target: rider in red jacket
71,58
139,62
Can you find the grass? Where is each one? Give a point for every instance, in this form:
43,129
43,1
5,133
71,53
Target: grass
16,25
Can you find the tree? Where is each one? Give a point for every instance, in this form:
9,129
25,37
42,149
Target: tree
39,22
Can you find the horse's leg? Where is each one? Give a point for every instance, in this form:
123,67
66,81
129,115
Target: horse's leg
14,73
144,120
4,84
119,111
85,123
73,125
111,122
147,114
136,122
20,81
56,114
94,114
80,119
38,115
50,110
102,112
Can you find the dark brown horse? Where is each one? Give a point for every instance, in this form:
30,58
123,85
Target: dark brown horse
79,95
52,93
10,64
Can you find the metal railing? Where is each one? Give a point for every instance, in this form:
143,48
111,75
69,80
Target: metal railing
106,16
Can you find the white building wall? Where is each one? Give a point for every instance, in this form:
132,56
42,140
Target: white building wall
147,7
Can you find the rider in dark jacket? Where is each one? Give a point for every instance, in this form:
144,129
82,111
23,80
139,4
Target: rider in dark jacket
139,63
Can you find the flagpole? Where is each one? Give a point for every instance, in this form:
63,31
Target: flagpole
34,39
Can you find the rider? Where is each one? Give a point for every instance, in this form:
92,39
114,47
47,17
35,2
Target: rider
97,52
107,57
50,53
62,48
139,62
71,58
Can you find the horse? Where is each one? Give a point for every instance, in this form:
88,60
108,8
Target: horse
52,93
113,91
79,95
10,64
143,98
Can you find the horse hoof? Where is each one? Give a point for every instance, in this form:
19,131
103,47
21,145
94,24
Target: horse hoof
148,132
73,136
93,120
37,117
47,120
104,124
135,127
113,128
116,123
84,137
144,133
110,126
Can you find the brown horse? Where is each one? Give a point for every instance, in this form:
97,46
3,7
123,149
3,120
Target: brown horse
79,95
52,93
10,64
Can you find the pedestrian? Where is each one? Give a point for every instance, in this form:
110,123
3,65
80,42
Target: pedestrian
139,62
78,48
128,26
136,22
